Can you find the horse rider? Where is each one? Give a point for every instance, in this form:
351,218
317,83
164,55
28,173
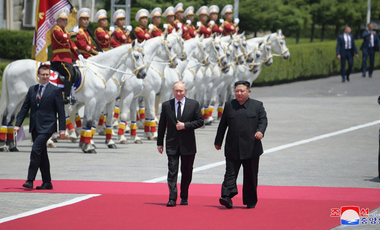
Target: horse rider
102,36
202,29
228,26
190,30
141,32
169,16
213,12
119,34
61,46
178,9
155,15
83,39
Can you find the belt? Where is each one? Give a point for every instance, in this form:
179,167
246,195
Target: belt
61,51
84,52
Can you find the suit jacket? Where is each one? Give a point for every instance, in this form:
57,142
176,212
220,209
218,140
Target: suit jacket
366,37
43,118
182,139
242,122
341,46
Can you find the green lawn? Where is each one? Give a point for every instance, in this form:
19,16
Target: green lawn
291,41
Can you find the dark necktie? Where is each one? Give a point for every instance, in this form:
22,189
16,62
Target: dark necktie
39,94
179,113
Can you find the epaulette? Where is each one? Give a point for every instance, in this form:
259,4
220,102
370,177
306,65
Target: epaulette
81,32
56,27
155,28
138,29
100,30
176,21
117,29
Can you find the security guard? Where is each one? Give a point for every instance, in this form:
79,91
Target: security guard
169,16
202,29
228,26
61,46
102,36
119,34
83,39
155,15
190,31
213,12
141,32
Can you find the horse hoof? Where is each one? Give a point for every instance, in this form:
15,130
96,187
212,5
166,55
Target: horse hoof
123,142
14,149
102,133
127,131
74,140
4,149
94,146
52,145
208,123
54,140
138,142
152,138
113,146
89,151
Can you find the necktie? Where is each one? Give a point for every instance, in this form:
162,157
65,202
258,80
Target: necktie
348,41
179,112
370,41
39,94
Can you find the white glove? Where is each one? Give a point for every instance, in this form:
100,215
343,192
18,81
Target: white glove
221,20
165,26
129,27
112,28
199,24
212,22
179,25
81,58
188,22
151,26
76,29
237,20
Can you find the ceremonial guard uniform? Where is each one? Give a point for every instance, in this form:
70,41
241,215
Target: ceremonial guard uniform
189,30
102,36
61,46
141,33
119,34
178,16
213,12
228,26
155,15
202,15
169,15
83,39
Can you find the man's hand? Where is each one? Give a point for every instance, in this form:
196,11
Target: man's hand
259,135
62,134
217,147
373,32
16,129
180,125
160,149
356,55
338,56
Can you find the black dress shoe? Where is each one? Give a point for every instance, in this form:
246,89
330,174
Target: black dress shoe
363,75
370,76
28,184
226,202
45,186
343,81
184,202
171,203
348,78
251,205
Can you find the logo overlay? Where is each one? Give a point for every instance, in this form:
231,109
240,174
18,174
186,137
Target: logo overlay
354,215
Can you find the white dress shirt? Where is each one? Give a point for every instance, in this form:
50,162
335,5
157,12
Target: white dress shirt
347,41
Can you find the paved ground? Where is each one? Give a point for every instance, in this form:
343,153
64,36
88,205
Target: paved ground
296,111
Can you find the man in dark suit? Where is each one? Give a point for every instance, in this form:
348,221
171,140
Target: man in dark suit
371,43
44,101
180,116
345,50
246,121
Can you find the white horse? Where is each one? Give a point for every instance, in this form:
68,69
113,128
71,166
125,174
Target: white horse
20,75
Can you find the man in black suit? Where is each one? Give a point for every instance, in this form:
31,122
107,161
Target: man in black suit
371,43
181,116
345,50
44,101
246,121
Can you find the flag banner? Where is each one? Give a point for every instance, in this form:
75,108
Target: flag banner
45,11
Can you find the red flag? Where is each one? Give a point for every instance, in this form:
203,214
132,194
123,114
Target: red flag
45,11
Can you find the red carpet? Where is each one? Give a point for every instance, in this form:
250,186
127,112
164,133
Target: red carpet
142,206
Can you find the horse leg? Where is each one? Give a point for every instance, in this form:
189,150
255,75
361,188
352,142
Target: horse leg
109,142
86,133
115,118
150,114
141,119
123,111
133,115
100,127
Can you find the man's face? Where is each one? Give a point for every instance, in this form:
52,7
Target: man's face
103,22
242,93
83,22
43,76
156,20
170,19
214,17
348,30
120,22
190,17
203,18
179,91
228,16
143,21
370,27
179,15
62,22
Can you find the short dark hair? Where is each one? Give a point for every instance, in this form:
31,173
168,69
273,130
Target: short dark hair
246,83
44,67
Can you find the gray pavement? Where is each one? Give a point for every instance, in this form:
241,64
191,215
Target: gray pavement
296,111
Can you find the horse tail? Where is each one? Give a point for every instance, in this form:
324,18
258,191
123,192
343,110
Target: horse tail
4,97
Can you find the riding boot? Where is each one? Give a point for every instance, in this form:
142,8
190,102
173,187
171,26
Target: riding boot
67,90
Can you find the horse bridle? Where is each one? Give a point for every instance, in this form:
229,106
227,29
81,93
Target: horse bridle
200,47
237,56
137,68
219,58
279,45
181,45
171,58
266,51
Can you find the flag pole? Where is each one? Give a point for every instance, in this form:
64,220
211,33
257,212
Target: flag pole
368,12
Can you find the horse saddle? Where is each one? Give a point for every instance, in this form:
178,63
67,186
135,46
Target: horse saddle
62,78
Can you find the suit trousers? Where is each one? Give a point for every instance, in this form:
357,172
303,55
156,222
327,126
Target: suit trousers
251,169
349,58
371,53
39,157
187,162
